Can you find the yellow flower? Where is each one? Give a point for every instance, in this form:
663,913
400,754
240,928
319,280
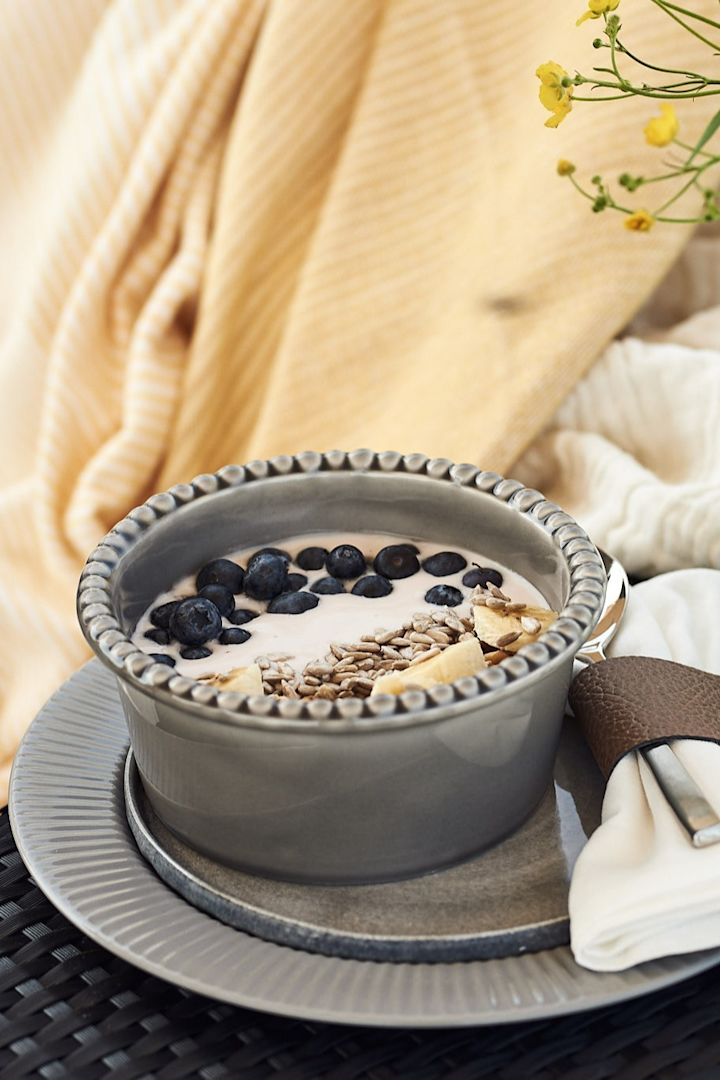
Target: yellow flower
662,129
555,97
596,8
640,221
565,168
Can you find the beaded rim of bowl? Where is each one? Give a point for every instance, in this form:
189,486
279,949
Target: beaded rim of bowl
573,625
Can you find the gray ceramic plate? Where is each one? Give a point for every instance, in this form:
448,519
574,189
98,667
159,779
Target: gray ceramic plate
509,900
68,817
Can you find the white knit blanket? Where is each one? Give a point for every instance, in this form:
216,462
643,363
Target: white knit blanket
634,452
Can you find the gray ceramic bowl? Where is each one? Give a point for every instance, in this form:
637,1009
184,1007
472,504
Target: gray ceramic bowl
354,790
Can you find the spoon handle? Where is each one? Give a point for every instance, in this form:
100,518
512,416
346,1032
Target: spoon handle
692,809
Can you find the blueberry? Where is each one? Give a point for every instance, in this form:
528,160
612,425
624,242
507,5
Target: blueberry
195,621
163,658
195,652
221,572
327,585
482,575
472,578
372,585
160,616
410,547
444,563
295,582
293,603
345,561
160,637
242,615
266,575
274,551
445,595
396,561
234,636
311,558
220,596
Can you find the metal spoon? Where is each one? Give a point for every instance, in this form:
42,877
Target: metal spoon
616,596
691,807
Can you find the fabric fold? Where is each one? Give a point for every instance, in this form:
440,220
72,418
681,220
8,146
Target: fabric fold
255,226
640,890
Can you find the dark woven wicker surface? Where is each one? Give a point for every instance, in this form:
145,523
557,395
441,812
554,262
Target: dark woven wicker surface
69,1010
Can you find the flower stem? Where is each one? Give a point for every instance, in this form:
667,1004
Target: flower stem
664,7
642,91
679,220
582,190
685,146
671,175
692,14
607,97
685,187
654,67
613,59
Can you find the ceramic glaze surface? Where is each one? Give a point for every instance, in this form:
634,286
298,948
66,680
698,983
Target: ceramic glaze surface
353,790
509,900
68,817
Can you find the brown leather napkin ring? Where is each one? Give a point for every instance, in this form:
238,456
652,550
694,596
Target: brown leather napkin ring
635,701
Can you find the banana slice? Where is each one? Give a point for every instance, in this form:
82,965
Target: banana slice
496,627
464,658
244,680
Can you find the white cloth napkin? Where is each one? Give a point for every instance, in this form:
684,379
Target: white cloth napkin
640,890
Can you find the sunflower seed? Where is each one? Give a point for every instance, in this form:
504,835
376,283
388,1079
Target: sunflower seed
329,693
530,625
390,653
507,639
319,670
495,657
435,651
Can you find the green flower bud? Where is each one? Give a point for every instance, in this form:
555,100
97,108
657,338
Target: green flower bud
630,183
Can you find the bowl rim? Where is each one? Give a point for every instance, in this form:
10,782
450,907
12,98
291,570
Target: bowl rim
563,639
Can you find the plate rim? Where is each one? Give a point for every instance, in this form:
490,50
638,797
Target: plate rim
677,968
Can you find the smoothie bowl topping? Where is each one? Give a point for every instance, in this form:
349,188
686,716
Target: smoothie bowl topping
341,616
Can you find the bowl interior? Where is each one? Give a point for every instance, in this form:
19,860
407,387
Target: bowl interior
265,511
